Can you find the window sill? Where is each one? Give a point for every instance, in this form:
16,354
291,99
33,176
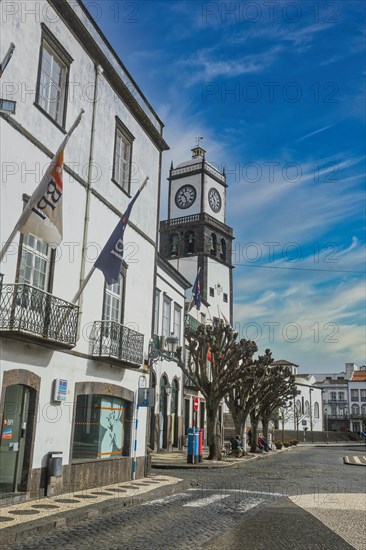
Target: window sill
127,193
86,460
50,118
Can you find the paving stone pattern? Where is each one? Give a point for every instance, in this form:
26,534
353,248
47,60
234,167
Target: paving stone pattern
275,503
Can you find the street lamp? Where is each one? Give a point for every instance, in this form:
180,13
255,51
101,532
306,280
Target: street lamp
169,354
311,415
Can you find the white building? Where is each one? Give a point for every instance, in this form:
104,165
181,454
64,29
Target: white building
344,398
166,420
306,410
69,374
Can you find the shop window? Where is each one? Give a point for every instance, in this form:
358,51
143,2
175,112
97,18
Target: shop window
100,429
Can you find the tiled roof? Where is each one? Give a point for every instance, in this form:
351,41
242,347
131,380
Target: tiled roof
359,376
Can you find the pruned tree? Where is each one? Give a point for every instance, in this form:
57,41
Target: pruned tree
216,378
246,394
279,387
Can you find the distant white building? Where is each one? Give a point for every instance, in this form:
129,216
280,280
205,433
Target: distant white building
70,374
344,398
305,412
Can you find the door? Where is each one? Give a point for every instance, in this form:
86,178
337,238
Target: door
13,444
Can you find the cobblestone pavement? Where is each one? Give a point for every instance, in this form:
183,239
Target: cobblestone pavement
301,500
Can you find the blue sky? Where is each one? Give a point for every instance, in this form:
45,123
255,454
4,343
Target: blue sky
277,91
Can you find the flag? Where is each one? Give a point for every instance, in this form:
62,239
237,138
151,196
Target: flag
110,259
42,216
209,355
224,318
196,291
45,209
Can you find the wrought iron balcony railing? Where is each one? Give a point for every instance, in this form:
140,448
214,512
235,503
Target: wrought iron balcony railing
113,341
191,322
33,312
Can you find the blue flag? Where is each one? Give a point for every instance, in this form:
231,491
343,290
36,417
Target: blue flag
110,259
196,290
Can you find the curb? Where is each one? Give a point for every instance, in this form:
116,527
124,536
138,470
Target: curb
14,534
207,466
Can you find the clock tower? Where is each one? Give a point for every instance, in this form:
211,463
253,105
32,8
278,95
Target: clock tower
195,235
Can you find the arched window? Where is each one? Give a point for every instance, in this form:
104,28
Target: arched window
355,409
189,238
307,408
173,242
316,410
213,244
363,410
298,407
223,250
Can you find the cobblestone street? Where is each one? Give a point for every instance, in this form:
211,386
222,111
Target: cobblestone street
306,498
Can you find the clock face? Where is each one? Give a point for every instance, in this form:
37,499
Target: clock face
185,196
214,200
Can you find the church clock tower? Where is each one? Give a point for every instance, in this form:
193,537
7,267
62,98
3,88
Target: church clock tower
195,235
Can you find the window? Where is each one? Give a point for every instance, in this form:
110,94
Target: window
166,316
157,311
112,308
53,75
307,408
363,395
203,318
122,156
354,395
224,297
213,244
35,263
316,409
100,427
174,242
363,410
212,291
177,322
215,322
341,396
189,238
333,396
223,250
355,409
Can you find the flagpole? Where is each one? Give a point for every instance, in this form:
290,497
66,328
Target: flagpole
87,278
83,285
24,215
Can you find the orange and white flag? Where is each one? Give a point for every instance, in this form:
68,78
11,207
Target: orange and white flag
42,216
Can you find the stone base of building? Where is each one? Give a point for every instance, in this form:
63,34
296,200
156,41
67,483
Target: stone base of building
85,475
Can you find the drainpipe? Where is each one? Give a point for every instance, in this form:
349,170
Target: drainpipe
88,192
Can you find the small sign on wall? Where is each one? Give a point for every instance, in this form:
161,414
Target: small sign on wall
60,389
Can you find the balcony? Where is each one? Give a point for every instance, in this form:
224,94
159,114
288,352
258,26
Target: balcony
196,218
113,342
32,313
189,384
191,323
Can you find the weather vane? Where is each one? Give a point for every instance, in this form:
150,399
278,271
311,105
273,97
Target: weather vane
198,139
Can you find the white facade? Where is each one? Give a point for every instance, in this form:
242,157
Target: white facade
93,202
306,410
166,427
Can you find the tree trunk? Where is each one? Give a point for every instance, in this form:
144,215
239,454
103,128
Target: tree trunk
265,422
213,437
254,427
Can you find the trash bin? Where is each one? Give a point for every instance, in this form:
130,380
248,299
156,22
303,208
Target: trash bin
55,464
190,446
